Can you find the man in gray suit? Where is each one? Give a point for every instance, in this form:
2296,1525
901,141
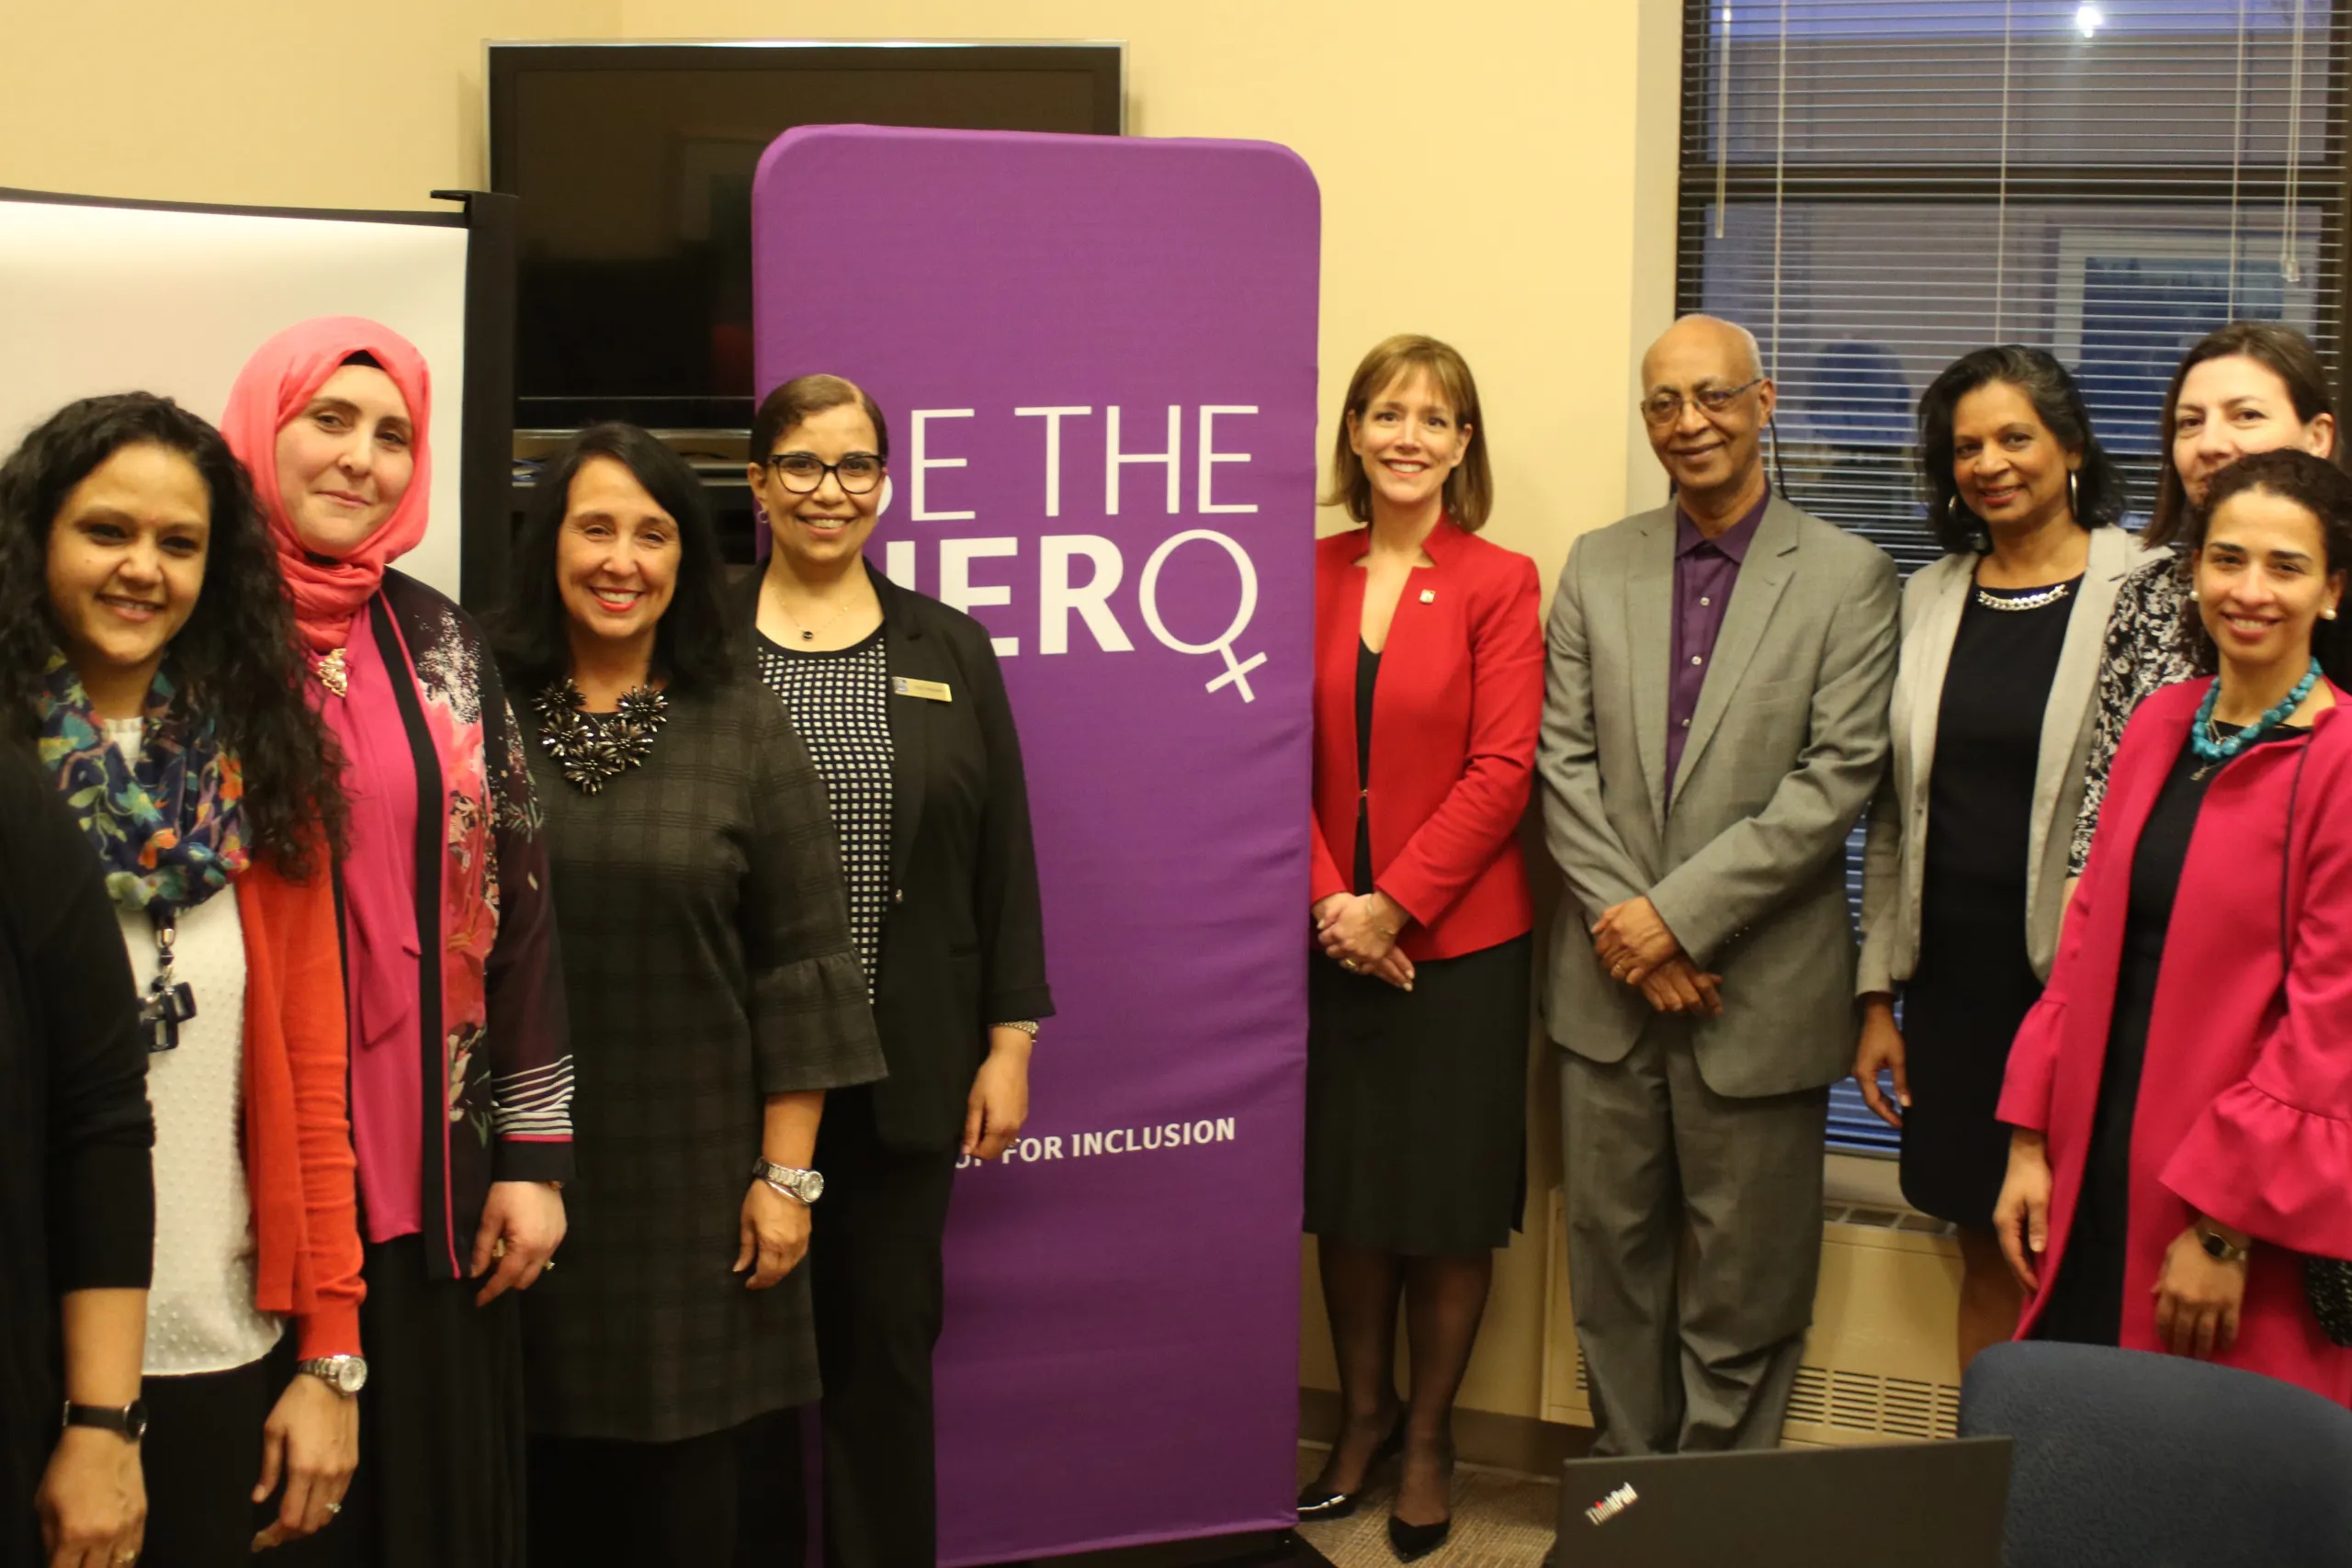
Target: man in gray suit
1716,720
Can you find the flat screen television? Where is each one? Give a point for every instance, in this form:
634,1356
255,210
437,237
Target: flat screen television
633,163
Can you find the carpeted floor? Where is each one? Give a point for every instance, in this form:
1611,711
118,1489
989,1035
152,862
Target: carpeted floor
1501,1520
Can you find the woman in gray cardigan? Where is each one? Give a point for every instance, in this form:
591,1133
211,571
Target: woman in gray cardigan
1992,717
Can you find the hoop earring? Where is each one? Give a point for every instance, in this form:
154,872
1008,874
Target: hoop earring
1952,506
2072,504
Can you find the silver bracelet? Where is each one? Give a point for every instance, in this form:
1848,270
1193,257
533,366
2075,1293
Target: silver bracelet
1027,1026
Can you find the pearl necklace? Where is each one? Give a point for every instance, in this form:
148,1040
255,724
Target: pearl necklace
2213,750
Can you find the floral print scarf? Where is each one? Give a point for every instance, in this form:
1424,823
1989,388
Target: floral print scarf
170,832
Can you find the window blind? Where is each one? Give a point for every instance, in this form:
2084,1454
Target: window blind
1876,186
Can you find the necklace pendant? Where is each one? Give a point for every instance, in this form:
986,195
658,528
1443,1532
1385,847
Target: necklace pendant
333,673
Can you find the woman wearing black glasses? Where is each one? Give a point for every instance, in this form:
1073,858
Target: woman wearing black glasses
903,710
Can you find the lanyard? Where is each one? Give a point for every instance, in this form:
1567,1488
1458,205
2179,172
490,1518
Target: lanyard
168,1002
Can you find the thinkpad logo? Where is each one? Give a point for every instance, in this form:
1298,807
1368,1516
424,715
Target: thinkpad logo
1609,1507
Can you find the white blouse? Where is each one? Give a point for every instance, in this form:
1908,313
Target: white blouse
200,1312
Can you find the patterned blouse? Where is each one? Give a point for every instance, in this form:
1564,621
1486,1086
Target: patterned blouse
840,703
2146,650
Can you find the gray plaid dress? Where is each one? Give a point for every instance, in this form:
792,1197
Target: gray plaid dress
708,963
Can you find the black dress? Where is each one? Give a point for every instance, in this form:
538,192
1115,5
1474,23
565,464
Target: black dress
1975,981
1416,1112
2086,1296
708,963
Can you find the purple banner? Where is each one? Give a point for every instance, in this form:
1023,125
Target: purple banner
1098,360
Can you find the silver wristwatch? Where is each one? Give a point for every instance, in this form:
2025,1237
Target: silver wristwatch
805,1185
345,1374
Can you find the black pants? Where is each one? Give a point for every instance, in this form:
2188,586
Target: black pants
879,1288
202,1456
646,1504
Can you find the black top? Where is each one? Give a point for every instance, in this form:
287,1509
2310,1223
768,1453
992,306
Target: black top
1367,676
1988,744
78,1204
709,964
838,701
963,943
2086,1297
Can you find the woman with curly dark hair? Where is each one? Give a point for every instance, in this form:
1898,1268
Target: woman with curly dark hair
1991,717
460,1081
146,649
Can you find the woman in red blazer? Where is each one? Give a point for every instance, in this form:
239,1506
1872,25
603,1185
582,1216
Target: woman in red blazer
2182,1093
1429,686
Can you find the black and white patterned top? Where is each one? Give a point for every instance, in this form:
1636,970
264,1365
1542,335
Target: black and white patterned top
2146,650
840,702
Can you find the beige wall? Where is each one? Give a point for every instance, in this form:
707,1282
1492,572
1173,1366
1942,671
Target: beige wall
267,102
1498,173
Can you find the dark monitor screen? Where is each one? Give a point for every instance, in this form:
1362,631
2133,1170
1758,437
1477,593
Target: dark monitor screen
633,163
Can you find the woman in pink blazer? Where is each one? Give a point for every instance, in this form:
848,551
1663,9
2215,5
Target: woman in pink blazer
2182,1094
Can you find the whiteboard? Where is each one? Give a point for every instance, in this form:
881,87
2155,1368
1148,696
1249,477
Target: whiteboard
99,299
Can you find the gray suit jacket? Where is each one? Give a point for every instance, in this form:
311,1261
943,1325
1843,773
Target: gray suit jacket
1745,861
1897,866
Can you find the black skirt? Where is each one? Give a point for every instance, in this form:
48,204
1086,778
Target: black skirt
1416,1104
1960,1013
441,1438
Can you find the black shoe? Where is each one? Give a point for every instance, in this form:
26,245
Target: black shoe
1412,1542
1321,1505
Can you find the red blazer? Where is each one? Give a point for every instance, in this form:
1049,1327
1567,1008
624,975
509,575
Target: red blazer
298,1165
2245,1098
1454,716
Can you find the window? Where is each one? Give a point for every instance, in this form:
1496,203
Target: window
1877,187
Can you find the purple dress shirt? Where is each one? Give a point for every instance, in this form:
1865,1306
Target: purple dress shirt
1705,571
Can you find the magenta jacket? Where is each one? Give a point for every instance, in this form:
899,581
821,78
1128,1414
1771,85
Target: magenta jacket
2245,1101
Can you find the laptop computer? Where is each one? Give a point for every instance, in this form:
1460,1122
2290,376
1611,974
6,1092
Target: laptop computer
1914,1505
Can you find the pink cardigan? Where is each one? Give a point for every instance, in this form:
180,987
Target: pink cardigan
2245,1101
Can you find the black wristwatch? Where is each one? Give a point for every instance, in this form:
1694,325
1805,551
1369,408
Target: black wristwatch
127,1421
2220,1246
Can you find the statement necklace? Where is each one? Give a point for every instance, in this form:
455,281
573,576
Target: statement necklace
2214,749
592,749
2034,601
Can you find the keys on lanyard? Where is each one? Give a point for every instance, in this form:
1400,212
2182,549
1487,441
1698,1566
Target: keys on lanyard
168,1002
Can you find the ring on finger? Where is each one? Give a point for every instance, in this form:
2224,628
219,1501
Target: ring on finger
334,1507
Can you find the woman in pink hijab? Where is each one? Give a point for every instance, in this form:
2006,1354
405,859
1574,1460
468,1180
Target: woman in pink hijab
460,1074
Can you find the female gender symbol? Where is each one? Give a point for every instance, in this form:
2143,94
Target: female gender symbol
1237,672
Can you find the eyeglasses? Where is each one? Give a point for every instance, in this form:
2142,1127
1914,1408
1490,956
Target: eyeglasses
1666,408
802,472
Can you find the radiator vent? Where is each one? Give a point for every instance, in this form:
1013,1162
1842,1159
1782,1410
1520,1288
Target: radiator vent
1885,1219
1865,1403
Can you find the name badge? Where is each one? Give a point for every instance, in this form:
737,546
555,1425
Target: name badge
929,691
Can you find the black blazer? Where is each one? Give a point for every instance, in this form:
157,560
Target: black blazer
963,943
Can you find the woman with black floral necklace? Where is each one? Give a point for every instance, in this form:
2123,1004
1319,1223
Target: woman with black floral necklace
715,996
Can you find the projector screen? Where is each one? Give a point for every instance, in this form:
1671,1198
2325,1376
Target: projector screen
102,296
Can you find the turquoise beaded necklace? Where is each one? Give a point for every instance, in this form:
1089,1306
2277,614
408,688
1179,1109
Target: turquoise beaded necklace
2213,751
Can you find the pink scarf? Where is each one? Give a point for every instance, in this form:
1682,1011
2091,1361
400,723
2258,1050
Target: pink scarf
276,385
